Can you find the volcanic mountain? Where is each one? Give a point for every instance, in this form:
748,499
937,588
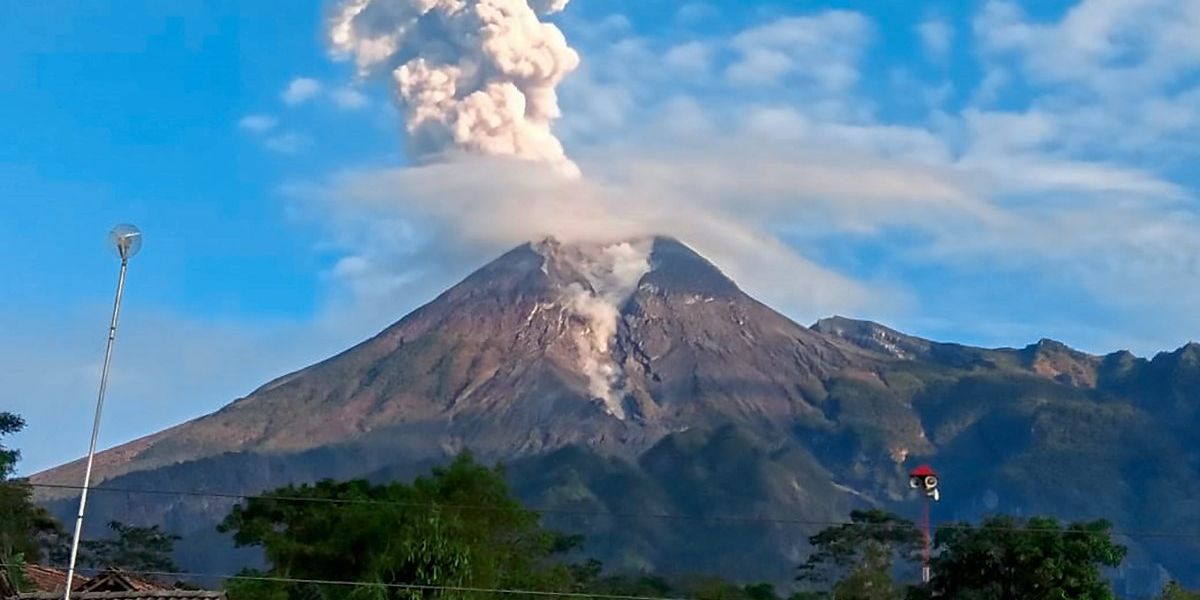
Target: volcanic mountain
633,380
551,345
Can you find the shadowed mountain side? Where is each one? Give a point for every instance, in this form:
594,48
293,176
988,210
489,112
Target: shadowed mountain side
676,509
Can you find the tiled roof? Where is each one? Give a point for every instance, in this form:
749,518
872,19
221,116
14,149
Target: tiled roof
47,579
148,594
111,584
114,579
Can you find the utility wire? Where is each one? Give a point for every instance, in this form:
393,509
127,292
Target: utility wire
402,586
591,513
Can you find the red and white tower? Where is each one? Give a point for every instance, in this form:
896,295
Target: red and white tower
926,479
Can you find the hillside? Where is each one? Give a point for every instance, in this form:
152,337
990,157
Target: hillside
630,384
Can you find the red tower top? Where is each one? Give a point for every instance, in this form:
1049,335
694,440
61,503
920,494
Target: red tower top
922,471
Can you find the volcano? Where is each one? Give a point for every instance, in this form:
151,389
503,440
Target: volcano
551,345
636,379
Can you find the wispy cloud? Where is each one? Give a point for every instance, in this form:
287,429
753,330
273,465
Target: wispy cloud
258,123
790,169
288,143
348,98
936,36
693,12
690,58
300,90
1119,79
823,49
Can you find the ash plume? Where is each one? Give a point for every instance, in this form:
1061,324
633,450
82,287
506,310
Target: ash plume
470,76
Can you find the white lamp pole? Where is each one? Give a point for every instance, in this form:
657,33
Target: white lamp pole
126,240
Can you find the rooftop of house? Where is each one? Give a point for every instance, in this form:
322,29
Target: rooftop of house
48,579
148,594
110,584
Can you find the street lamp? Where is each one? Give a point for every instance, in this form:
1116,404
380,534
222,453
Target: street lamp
126,240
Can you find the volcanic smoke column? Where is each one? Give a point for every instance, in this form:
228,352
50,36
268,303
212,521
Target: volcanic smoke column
474,76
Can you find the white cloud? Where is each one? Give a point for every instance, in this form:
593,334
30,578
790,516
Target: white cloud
300,90
258,123
727,193
690,58
937,37
614,24
684,117
604,93
737,179
747,177
761,67
693,12
349,98
823,49
1119,77
288,143
1109,45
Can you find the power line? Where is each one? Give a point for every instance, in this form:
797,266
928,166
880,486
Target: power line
401,586
404,586
591,513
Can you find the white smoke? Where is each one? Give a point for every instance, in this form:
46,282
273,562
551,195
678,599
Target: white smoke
474,76
612,273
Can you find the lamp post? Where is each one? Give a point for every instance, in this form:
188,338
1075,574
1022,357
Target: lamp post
126,240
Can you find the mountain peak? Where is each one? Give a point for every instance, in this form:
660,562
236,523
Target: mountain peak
1048,345
873,336
1058,361
602,268
677,268
617,268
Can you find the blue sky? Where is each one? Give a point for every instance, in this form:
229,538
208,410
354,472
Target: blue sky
988,172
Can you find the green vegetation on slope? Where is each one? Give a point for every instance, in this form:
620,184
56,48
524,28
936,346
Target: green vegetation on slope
27,532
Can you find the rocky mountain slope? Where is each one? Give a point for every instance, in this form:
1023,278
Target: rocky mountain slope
629,384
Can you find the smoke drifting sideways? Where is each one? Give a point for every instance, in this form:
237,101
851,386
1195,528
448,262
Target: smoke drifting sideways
474,77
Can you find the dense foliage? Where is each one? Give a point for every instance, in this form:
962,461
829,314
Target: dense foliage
1005,558
459,528
459,533
145,549
27,532
1174,591
1001,559
856,560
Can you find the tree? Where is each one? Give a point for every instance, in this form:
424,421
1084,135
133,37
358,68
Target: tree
871,579
761,591
458,528
1011,559
27,532
588,578
1175,591
133,548
855,560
